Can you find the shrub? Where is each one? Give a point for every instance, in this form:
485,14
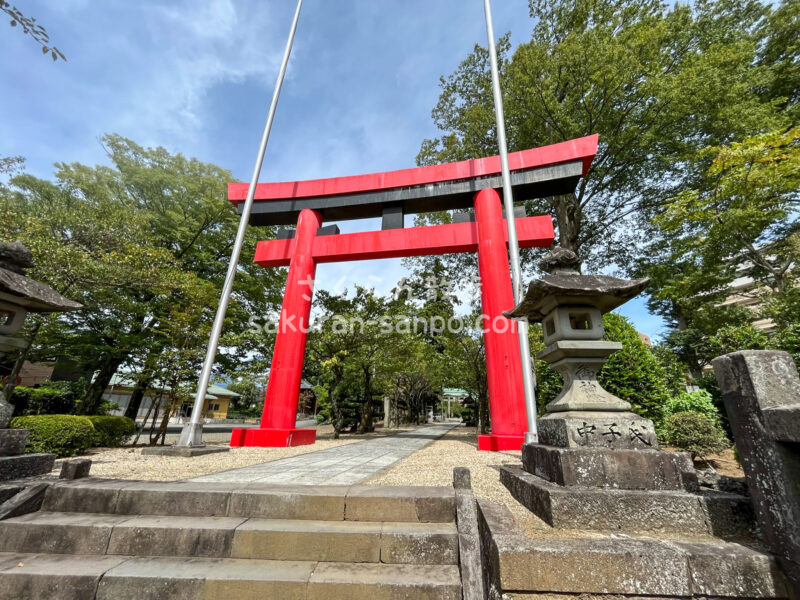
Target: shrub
112,431
694,433
700,402
51,397
63,435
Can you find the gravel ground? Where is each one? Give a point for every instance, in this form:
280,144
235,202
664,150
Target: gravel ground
128,463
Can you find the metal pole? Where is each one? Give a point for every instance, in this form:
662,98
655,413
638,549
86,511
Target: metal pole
192,434
532,436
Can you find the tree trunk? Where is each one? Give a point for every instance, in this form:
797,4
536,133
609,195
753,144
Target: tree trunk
366,408
567,210
142,385
336,413
11,382
98,387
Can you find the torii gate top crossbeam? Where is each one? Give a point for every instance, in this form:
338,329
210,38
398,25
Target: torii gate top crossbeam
535,173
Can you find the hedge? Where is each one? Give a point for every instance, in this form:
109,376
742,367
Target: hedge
63,435
695,433
112,431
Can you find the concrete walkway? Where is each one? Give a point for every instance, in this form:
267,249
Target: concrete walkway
342,465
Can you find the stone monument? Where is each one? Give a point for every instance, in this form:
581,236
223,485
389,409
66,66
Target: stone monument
761,391
20,295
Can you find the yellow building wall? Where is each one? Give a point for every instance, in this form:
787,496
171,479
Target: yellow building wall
217,409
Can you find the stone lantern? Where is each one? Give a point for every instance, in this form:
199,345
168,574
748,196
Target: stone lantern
570,307
20,295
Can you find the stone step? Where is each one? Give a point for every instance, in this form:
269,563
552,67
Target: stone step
423,504
231,537
614,564
35,576
658,511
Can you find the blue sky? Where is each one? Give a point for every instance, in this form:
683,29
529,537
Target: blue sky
196,77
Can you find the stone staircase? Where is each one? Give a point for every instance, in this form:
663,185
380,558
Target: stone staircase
184,540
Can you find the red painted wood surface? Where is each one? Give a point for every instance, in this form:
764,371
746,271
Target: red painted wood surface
503,364
393,243
583,149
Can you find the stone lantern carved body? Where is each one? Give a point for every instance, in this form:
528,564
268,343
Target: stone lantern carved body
570,307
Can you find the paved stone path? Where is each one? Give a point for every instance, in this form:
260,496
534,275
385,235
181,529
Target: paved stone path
342,465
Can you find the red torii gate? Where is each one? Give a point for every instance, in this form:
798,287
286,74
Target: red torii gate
539,172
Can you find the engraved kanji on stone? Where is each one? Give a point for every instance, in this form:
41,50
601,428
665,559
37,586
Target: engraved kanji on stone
611,431
586,430
636,434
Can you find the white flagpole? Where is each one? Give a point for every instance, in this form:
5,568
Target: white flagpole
192,434
532,436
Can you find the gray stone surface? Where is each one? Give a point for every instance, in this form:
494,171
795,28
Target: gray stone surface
755,384
462,480
6,412
173,536
605,468
279,539
183,451
161,578
58,533
83,495
77,468
422,504
601,509
25,465
172,498
53,576
634,567
27,500
289,502
469,544
584,429
341,465
347,581
12,441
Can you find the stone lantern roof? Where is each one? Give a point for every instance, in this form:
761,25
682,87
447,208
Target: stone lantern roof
18,289
566,286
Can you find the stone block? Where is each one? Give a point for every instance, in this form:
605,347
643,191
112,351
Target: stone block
183,451
424,504
419,543
12,441
54,576
728,516
289,502
348,581
606,468
761,392
276,539
186,498
174,536
581,429
726,569
191,578
27,500
58,533
83,495
461,478
25,465
77,468
606,509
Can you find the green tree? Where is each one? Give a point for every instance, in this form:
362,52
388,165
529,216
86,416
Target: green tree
656,82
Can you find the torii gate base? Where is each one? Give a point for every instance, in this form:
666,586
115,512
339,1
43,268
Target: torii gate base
541,171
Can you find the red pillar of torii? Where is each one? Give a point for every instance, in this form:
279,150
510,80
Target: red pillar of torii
538,172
